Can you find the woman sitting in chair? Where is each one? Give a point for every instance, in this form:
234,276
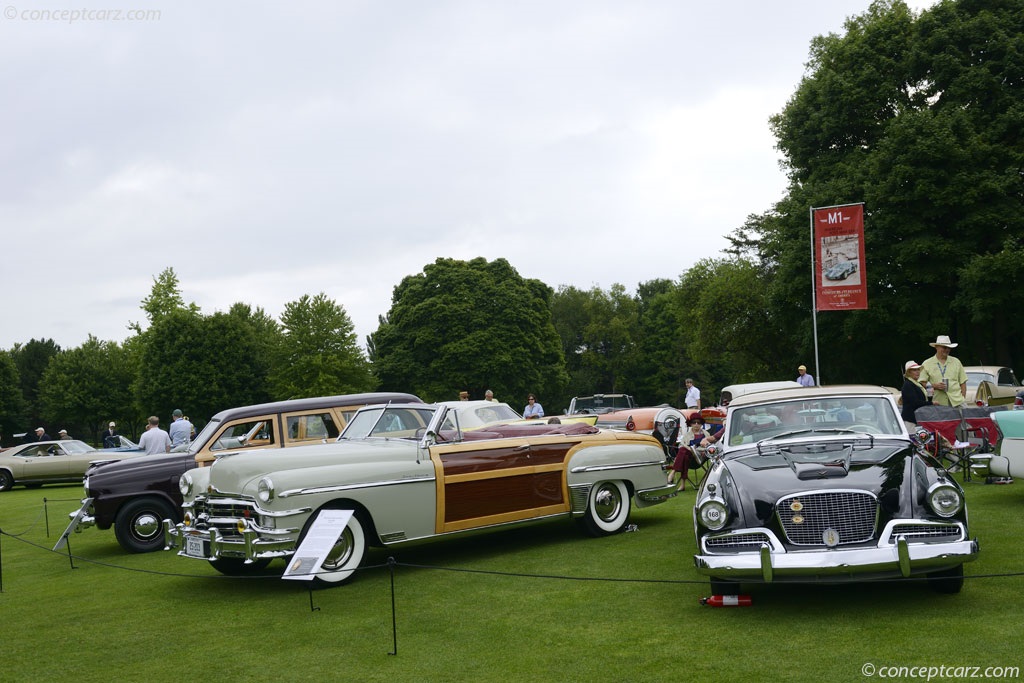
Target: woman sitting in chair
689,441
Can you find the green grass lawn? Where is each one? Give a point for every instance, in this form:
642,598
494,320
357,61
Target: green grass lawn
462,617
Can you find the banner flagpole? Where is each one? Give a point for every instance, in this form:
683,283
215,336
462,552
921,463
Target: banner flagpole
814,303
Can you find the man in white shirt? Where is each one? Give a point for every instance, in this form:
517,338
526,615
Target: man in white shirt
155,441
692,395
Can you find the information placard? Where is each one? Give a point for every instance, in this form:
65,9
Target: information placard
75,521
311,553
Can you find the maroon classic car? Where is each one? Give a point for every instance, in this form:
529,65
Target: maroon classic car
135,496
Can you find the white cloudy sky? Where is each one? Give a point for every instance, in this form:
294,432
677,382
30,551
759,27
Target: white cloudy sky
270,150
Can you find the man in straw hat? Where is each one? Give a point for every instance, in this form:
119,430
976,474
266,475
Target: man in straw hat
945,373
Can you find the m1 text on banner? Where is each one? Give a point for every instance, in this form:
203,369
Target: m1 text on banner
840,281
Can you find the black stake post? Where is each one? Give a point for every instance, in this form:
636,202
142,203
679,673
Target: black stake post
1,561
394,625
46,515
311,608
71,558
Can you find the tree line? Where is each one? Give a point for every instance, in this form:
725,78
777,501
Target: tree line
918,115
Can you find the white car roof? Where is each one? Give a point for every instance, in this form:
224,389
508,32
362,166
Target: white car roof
737,390
811,392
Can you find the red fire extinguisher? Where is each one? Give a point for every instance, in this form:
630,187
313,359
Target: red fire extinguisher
727,601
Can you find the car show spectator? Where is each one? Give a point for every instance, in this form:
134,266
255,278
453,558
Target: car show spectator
463,395
804,379
945,373
63,435
489,396
689,440
533,409
41,435
155,441
692,395
181,429
913,395
109,436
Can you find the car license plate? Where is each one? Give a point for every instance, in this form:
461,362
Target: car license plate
195,547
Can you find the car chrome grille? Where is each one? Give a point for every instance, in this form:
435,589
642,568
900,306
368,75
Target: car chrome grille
923,532
750,541
222,513
805,517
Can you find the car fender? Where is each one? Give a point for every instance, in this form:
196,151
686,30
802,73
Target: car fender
636,459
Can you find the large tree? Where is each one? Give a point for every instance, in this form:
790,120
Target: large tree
469,325
31,360
921,117
201,364
319,355
12,404
85,387
165,297
597,329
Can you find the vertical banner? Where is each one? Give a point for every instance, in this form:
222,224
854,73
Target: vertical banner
840,283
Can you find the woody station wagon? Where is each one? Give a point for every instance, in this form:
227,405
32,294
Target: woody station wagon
411,472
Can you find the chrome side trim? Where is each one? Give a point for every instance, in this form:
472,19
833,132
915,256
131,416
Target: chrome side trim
353,487
605,468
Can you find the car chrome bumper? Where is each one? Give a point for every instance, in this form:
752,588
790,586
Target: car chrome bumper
250,545
659,494
84,516
893,556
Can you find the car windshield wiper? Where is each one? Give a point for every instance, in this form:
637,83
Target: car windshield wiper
830,430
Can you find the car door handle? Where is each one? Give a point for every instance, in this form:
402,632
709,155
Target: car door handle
524,447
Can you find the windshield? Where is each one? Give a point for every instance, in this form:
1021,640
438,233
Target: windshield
392,422
483,415
601,403
976,378
1006,378
801,418
205,435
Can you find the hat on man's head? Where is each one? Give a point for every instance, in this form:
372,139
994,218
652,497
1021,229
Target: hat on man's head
63,431
696,417
802,367
909,365
177,412
111,425
40,429
943,340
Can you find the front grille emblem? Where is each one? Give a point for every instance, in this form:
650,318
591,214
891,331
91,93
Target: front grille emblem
830,537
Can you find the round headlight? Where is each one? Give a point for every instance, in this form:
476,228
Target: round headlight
945,500
185,484
265,490
713,514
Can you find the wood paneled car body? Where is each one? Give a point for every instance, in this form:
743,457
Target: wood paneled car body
410,473
826,484
136,496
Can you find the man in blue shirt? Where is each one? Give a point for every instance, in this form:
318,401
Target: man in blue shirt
803,379
180,430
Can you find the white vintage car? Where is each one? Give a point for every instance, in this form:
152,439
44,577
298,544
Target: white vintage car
411,472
